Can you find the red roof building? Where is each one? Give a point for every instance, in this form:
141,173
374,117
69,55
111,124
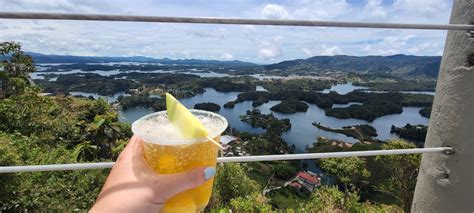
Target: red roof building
296,185
308,180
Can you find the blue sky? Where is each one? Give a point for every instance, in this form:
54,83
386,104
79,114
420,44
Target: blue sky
261,44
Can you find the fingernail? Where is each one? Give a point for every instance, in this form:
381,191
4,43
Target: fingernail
209,172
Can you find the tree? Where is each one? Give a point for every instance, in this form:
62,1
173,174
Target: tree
16,66
231,182
85,151
250,203
330,199
349,171
403,170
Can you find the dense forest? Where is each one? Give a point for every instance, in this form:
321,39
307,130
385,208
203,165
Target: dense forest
63,129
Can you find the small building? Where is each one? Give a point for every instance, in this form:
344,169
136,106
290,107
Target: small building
308,180
296,185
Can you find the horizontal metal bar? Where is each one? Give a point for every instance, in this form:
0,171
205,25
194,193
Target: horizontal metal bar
240,21
105,165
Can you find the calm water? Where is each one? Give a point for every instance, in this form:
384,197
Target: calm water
302,132
343,89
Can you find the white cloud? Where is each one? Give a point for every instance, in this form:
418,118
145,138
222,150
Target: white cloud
227,57
306,9
323,50
427,8
426,48
275,11
186,54
52,5
212,34
270,49
333,50
375,9
320,9
389,45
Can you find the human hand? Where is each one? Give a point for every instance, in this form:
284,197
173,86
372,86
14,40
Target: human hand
133,186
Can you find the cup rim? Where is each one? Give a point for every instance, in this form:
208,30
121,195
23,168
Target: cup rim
174,142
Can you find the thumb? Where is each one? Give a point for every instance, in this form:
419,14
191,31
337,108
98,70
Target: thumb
171,184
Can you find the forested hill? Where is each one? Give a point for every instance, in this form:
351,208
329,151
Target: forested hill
398,65
401,65
43,58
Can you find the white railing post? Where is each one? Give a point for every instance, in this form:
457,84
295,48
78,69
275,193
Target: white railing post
446,182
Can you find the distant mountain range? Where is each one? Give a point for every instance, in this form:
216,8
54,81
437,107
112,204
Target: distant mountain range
43,58
398,65
402,65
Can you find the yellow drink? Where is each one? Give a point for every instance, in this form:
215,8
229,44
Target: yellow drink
167,153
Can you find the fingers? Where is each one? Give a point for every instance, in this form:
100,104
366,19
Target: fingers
180,182
128,150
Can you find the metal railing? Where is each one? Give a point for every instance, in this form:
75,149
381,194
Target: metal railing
234,21
105,165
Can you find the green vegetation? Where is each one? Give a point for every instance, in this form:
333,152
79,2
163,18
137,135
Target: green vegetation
296,84
349,171
369,111
229,84
50,130
416,100
402,170
288,197
426,112
363,132
144,100
15,67
213,107
229,105
411,132
387,179
256,119
181,85
401,85
330,199
290,107
374,105
395,65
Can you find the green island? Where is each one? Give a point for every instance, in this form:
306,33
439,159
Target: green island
363,132
297,84
426,112
229,105
60,129
416,133
269,122
290,107
142,100
213,107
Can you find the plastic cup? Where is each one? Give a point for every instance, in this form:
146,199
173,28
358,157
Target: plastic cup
173,155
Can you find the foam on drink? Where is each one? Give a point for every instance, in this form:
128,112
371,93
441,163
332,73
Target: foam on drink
156,128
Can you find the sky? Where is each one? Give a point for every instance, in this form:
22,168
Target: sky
259,44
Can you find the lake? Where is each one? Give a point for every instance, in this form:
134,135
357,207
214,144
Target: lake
302,132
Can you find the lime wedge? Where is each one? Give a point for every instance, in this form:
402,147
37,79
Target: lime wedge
189,126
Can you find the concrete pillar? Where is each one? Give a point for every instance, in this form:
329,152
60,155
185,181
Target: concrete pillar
446,181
